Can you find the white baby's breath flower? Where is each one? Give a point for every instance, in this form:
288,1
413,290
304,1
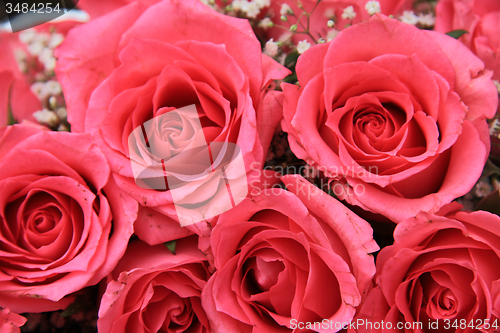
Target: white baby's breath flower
330,23
426,20
266,23
252,10
52,88
262,3
286,9
329,13
239,4
62,113
332,33
55,40
372,7
21,59
409,17
349,13
35,48
46,117
27,36
271,48
303,46
38,88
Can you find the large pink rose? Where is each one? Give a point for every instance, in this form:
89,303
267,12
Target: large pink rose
133,65
286,260
480,18
443,271
63,223
393,114
156,291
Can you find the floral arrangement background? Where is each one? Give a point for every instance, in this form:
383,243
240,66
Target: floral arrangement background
368,134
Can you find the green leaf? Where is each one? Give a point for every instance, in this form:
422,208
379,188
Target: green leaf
292,78
171,246
457,33
78,305
291,59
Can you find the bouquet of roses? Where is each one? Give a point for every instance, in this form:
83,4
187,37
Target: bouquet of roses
250,166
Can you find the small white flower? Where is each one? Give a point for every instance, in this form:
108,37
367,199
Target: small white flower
303,46
332,34
252,10
286,9
52,88
266,23
426,20
329,13
349,13
372,7
409,17
21,59
55,40
330,23
38,88
35,48
45,54
262,3
62,113
27,36
46,117
239,4
271,48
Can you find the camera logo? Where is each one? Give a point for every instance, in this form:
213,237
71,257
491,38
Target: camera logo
170,152
24,14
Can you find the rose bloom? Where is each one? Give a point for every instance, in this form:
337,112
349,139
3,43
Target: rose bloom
288,258
10,322
63,223
138,63
480,18
323,12
394,115
442,268
156,291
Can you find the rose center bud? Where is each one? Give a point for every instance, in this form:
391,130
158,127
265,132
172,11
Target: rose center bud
262,274
446,302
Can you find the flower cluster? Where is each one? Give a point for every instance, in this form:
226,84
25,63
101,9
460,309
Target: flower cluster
252,166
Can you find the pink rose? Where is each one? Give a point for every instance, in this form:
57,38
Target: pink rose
394,115
10,322
443,270
285,259
134,66
480,18
156,291
323,12
63,223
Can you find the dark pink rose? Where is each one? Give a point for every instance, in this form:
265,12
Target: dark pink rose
442,270
394,115
288,258
63,223
154,290
480,18
10,321
134,65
